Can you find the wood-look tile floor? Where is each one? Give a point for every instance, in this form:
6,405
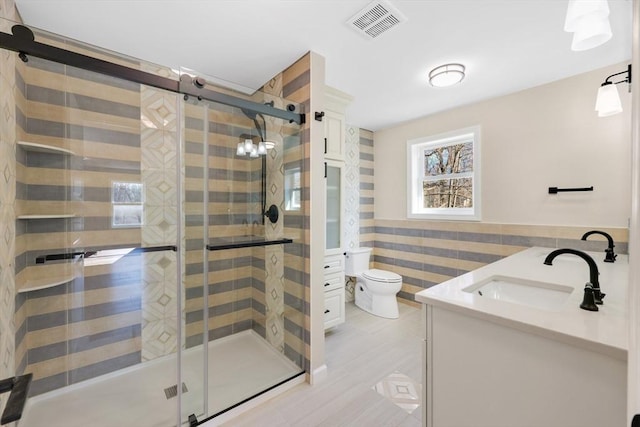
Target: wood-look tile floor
359,354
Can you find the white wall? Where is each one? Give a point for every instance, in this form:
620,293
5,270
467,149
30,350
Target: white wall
547,136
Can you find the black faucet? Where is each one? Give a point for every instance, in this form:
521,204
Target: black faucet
593,269
610,256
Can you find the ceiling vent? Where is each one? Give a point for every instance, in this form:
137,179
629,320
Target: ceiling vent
376,18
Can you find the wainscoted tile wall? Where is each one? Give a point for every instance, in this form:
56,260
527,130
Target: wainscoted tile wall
426,253
7,199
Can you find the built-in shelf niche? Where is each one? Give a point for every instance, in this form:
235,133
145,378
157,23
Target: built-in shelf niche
47,149
52,216
37,277
43,148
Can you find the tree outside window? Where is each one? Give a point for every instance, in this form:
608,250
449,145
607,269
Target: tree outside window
443,177
126,199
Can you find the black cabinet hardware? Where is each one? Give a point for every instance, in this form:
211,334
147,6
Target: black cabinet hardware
319,115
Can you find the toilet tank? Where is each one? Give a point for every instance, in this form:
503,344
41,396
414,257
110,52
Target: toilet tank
357,261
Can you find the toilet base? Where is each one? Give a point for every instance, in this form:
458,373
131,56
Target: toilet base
379,305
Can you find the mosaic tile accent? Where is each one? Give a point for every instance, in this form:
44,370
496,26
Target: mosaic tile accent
158,164
274,255
352,188
352,198
401,390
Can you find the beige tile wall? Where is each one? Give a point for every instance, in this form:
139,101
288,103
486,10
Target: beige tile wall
426,253
7,199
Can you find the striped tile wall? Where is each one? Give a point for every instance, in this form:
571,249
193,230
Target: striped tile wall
91,115
246,288
92,324
367,225
296,86
426,253
8,65
233,210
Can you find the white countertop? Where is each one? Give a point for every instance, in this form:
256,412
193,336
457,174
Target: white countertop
604,331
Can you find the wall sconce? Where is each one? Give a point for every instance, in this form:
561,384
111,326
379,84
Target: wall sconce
588,20
608,101
446,75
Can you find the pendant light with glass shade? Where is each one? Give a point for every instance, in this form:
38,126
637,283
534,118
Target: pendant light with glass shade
588,20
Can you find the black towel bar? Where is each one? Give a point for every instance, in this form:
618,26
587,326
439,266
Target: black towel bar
556,190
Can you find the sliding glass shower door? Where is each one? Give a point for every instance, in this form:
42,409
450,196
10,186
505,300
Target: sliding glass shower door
99,297
244,304
160,263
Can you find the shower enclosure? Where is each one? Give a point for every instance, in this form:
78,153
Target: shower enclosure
159,267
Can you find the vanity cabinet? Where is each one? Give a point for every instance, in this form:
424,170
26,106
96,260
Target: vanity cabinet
481,373
334,154
501,362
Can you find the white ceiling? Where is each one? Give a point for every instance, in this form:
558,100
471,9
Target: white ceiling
506,45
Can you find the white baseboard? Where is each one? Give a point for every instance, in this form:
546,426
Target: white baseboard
318,375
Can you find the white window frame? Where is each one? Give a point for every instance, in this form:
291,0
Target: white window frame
115,205
415,171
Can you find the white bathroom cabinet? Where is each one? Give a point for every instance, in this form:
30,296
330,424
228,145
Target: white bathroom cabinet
480,373
495,363
334,152
334,293
334,123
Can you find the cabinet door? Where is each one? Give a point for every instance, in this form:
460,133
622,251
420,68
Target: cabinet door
334,207
333,308
334,134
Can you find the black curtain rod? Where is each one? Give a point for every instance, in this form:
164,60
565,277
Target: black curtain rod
23,41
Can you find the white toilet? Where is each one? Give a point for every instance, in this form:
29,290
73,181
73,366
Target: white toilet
375,289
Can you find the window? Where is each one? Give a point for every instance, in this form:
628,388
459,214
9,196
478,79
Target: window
443,176
292,189
126,199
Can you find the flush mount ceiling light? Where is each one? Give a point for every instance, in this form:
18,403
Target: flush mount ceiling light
588,20
608,101
446,75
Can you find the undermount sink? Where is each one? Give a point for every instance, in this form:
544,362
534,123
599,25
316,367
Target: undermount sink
541,295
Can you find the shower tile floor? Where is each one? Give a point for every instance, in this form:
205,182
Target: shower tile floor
239,366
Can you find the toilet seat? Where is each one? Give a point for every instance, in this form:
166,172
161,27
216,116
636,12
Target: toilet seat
381,276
